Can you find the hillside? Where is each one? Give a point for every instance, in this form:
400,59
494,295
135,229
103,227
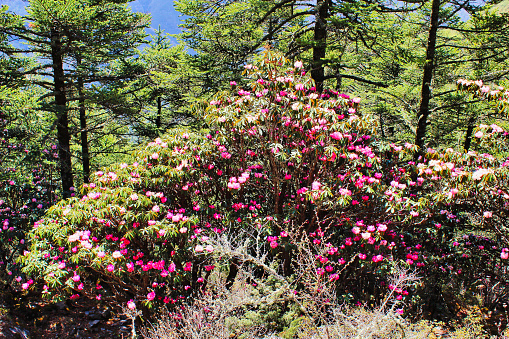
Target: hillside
502,7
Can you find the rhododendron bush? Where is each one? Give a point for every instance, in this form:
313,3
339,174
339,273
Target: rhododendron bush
278,161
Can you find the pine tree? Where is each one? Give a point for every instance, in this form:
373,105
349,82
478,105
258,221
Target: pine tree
74,40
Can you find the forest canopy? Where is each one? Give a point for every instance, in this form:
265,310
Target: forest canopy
321,153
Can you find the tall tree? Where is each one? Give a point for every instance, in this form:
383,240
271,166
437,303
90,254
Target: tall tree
309,30
63,34
168,83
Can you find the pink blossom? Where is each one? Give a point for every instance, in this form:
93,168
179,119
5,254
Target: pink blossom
155,156
151,295
488,214
477,175
504,255
336,136
233,185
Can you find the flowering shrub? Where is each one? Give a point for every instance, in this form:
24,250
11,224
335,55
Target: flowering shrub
278,158
499,95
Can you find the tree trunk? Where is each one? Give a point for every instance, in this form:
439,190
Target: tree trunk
427,76
85,152
63,136
320,43
159,114
470,129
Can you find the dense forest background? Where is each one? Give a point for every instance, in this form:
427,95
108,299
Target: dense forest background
83,87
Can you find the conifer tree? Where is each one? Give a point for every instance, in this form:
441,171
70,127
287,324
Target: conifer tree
74,40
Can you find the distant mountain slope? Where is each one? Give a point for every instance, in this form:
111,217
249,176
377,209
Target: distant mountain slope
162,12
17,6
502,7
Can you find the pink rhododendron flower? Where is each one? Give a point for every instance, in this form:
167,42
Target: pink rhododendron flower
151,296
477,175
336,136
366,235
